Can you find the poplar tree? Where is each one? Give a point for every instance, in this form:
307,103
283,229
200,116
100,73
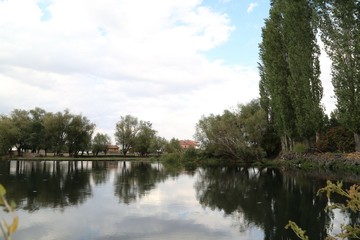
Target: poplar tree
340,31
274,73
290,87
303,58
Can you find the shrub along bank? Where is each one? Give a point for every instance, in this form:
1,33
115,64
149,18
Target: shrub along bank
331,161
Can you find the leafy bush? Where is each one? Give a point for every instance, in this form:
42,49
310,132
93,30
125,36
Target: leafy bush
171,158
300,148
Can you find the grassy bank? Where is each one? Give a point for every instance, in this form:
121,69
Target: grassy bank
112,157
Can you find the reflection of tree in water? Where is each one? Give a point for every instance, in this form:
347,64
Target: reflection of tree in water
136,179
36,184
100,171
265,198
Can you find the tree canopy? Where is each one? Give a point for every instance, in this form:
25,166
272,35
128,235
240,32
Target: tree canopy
339,22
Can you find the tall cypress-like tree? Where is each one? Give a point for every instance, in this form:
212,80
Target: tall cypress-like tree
340,31
274,72
303,58
290,88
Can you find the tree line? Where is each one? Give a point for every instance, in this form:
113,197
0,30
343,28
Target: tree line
289,113
60,132
37,130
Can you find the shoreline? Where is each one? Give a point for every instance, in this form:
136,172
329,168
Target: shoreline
327,161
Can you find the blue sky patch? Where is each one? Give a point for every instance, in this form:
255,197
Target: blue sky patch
43,5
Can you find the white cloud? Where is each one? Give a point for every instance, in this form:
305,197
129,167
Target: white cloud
251,7
111,58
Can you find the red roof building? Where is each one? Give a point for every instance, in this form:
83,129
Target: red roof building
185,144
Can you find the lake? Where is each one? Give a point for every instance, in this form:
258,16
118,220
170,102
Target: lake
135,200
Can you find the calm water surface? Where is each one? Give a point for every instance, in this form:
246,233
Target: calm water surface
132,200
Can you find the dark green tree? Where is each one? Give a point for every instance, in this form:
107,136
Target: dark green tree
340,31
144,138
36,138
274,72
235,135
305,88
22,124
78,134
56,125
290,88
125,132
7,135
173,146
158,145
100,143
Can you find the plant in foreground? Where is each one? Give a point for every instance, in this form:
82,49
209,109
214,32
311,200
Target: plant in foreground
6,228
352,203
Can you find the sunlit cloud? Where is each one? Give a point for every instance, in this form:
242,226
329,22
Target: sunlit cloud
251,7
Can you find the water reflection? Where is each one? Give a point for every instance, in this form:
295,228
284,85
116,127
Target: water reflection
136,179
34,185
266,198
55,184
116,197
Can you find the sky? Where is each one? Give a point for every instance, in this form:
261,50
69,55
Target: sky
169,62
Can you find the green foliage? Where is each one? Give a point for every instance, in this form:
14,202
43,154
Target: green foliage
173,146
36,129
100,143
290,88
271,141
158,145
126,131
7,134
235,135
352,203
297,230
8,229
171,158
139,136
274,73
300,148
78,134
144,138
21,122
340,31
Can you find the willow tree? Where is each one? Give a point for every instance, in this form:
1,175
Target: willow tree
340,31
290,88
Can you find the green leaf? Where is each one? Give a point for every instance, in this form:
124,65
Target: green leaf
2,190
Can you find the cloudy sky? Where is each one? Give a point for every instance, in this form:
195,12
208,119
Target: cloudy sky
164,61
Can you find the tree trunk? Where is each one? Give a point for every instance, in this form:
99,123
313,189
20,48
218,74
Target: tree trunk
357,142
317,137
